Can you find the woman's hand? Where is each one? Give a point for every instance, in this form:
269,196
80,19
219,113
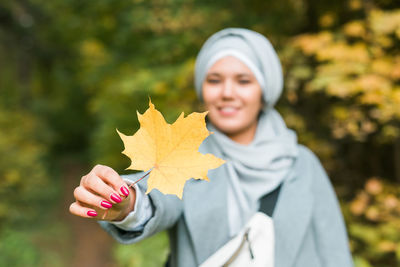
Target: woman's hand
103,195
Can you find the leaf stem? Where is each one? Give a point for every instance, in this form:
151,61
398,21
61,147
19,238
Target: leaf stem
138,180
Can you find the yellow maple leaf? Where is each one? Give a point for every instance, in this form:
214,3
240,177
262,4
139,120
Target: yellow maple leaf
169,151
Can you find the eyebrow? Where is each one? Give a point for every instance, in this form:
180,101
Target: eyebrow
245,74
240,74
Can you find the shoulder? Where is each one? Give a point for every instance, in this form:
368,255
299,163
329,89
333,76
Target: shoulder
306,154
308,165
307,161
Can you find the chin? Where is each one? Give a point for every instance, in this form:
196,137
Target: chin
227,129
228,126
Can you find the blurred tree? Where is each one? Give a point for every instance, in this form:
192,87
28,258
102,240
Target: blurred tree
350,78
374,214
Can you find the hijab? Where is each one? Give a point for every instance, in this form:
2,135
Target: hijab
258,168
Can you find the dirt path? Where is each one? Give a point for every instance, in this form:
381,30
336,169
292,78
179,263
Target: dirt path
93,245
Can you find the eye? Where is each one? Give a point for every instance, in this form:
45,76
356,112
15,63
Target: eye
213,80
244,81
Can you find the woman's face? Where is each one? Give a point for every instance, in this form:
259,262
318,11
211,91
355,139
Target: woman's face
233,97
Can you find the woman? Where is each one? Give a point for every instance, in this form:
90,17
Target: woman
238,76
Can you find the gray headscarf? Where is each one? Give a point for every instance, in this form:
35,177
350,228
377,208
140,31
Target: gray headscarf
250,47
258,168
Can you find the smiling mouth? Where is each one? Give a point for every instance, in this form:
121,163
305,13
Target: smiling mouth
228,111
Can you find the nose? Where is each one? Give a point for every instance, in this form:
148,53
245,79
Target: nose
228,89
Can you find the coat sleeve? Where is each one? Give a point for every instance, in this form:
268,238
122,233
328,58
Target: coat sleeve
166,210
330,230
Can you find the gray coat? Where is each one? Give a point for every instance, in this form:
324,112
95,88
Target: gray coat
309,228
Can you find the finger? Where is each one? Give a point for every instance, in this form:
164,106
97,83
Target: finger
82,211
84,196
93,183
111,177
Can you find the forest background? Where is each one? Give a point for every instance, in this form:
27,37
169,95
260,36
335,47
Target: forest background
71,72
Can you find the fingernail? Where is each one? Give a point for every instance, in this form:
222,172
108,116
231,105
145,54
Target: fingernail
92,213
115,197
124,190
106,204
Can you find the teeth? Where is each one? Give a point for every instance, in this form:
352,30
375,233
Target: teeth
228,109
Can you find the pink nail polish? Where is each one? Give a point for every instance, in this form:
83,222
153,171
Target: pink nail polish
92,213
106,204
124,191
115,197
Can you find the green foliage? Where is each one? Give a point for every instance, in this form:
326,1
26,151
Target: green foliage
22,168
17,249
151,252
25,187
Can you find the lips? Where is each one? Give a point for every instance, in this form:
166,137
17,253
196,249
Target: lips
228,111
